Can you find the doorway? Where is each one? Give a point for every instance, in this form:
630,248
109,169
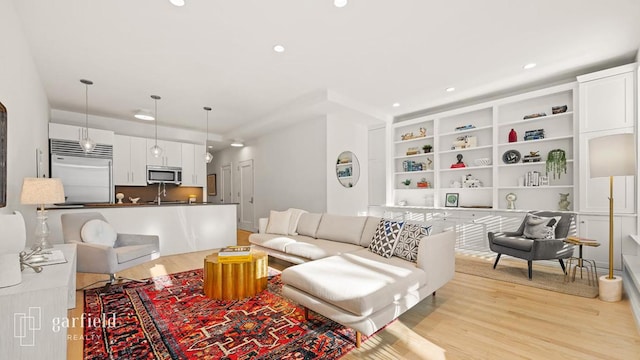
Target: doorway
246,196
226,187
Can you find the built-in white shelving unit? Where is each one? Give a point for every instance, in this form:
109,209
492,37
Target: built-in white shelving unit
479,134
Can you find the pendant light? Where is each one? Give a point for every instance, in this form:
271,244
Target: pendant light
86,143
156,150
207,156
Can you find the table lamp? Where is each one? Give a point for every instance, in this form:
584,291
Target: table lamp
12,239
42,191
611,155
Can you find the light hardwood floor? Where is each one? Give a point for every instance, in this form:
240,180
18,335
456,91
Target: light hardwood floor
469,318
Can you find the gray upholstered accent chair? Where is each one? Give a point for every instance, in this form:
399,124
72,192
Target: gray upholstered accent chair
517,245
127,251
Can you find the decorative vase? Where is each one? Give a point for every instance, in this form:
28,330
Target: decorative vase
563,205
610,290
513,136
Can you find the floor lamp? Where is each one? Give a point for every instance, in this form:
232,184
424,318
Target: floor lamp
611,155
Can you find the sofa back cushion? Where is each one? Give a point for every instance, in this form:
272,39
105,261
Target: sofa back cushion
308,224
369,231
347,229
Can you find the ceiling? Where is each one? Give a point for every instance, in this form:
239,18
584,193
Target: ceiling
369,54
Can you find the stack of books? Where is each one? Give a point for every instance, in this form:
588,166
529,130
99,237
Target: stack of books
232,254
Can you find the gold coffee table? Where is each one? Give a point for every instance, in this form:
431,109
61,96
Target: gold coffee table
236,280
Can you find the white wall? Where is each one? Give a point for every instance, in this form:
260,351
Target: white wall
289,168
23,95
344,134
377,166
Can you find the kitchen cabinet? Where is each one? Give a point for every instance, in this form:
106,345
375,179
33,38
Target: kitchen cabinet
76,133
129,160
171,154
193,165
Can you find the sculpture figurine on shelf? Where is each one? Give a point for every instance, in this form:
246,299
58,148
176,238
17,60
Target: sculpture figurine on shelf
423,132
459,164
563,205
511,201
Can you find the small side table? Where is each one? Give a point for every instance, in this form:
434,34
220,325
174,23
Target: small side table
236,280
583,264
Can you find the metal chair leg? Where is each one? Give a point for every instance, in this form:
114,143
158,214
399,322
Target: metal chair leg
497,259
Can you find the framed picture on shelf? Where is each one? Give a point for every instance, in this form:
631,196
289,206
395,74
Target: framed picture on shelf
451,199
211,185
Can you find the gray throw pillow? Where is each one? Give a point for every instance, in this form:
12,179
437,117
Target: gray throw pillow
408,241
538,227
386,237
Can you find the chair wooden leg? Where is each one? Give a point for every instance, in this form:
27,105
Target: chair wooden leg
530,265
306,313
497,259
564,269
358,339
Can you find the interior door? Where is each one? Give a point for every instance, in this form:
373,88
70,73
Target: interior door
225,186
246,196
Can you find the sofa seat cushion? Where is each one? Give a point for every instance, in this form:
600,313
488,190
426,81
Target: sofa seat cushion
359,282
272,241
318,248
127,253
511,242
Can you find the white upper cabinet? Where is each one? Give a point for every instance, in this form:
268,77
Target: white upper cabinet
171,153
607,99
193,165
76,133
129,160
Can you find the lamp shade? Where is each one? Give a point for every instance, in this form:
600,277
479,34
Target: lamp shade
612,155
41,191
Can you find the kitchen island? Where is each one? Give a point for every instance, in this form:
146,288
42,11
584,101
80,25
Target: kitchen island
181,227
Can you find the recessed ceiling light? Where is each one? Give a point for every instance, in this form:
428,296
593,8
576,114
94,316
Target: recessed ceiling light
278,48
450,89
144,115
396,104
210,146
177,2
529,66
340,3
236,143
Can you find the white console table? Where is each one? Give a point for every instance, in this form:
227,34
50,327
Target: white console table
30,310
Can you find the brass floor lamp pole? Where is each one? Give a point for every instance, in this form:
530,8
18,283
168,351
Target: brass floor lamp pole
610,228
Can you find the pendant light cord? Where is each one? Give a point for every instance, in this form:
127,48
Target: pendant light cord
156,113
86,108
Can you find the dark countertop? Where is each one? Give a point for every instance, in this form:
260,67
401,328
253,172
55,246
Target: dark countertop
130,205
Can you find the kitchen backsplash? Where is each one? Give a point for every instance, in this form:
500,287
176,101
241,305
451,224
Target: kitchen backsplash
149,193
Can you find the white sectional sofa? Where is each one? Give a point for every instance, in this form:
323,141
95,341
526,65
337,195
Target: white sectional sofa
339,276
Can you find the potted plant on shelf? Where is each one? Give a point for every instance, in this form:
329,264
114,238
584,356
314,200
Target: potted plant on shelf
557,162
427,148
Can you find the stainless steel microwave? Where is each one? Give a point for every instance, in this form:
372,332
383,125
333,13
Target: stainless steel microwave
164,174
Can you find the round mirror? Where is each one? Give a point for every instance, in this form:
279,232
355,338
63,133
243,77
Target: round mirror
347,169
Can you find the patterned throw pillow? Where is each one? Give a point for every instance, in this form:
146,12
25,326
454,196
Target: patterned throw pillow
539,227
385,239
408,241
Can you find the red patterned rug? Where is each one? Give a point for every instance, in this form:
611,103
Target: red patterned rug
170,318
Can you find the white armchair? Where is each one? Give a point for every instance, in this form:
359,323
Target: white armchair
128,249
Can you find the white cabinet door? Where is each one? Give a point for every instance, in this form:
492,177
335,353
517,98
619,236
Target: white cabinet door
188,176
138,168
594,193
121,160
200,165
171,153
607,103
75,133
596,227
129,160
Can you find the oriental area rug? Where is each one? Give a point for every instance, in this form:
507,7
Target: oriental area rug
515,271
170,318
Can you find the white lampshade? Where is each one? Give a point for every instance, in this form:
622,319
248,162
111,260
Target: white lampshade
612,155
42,191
